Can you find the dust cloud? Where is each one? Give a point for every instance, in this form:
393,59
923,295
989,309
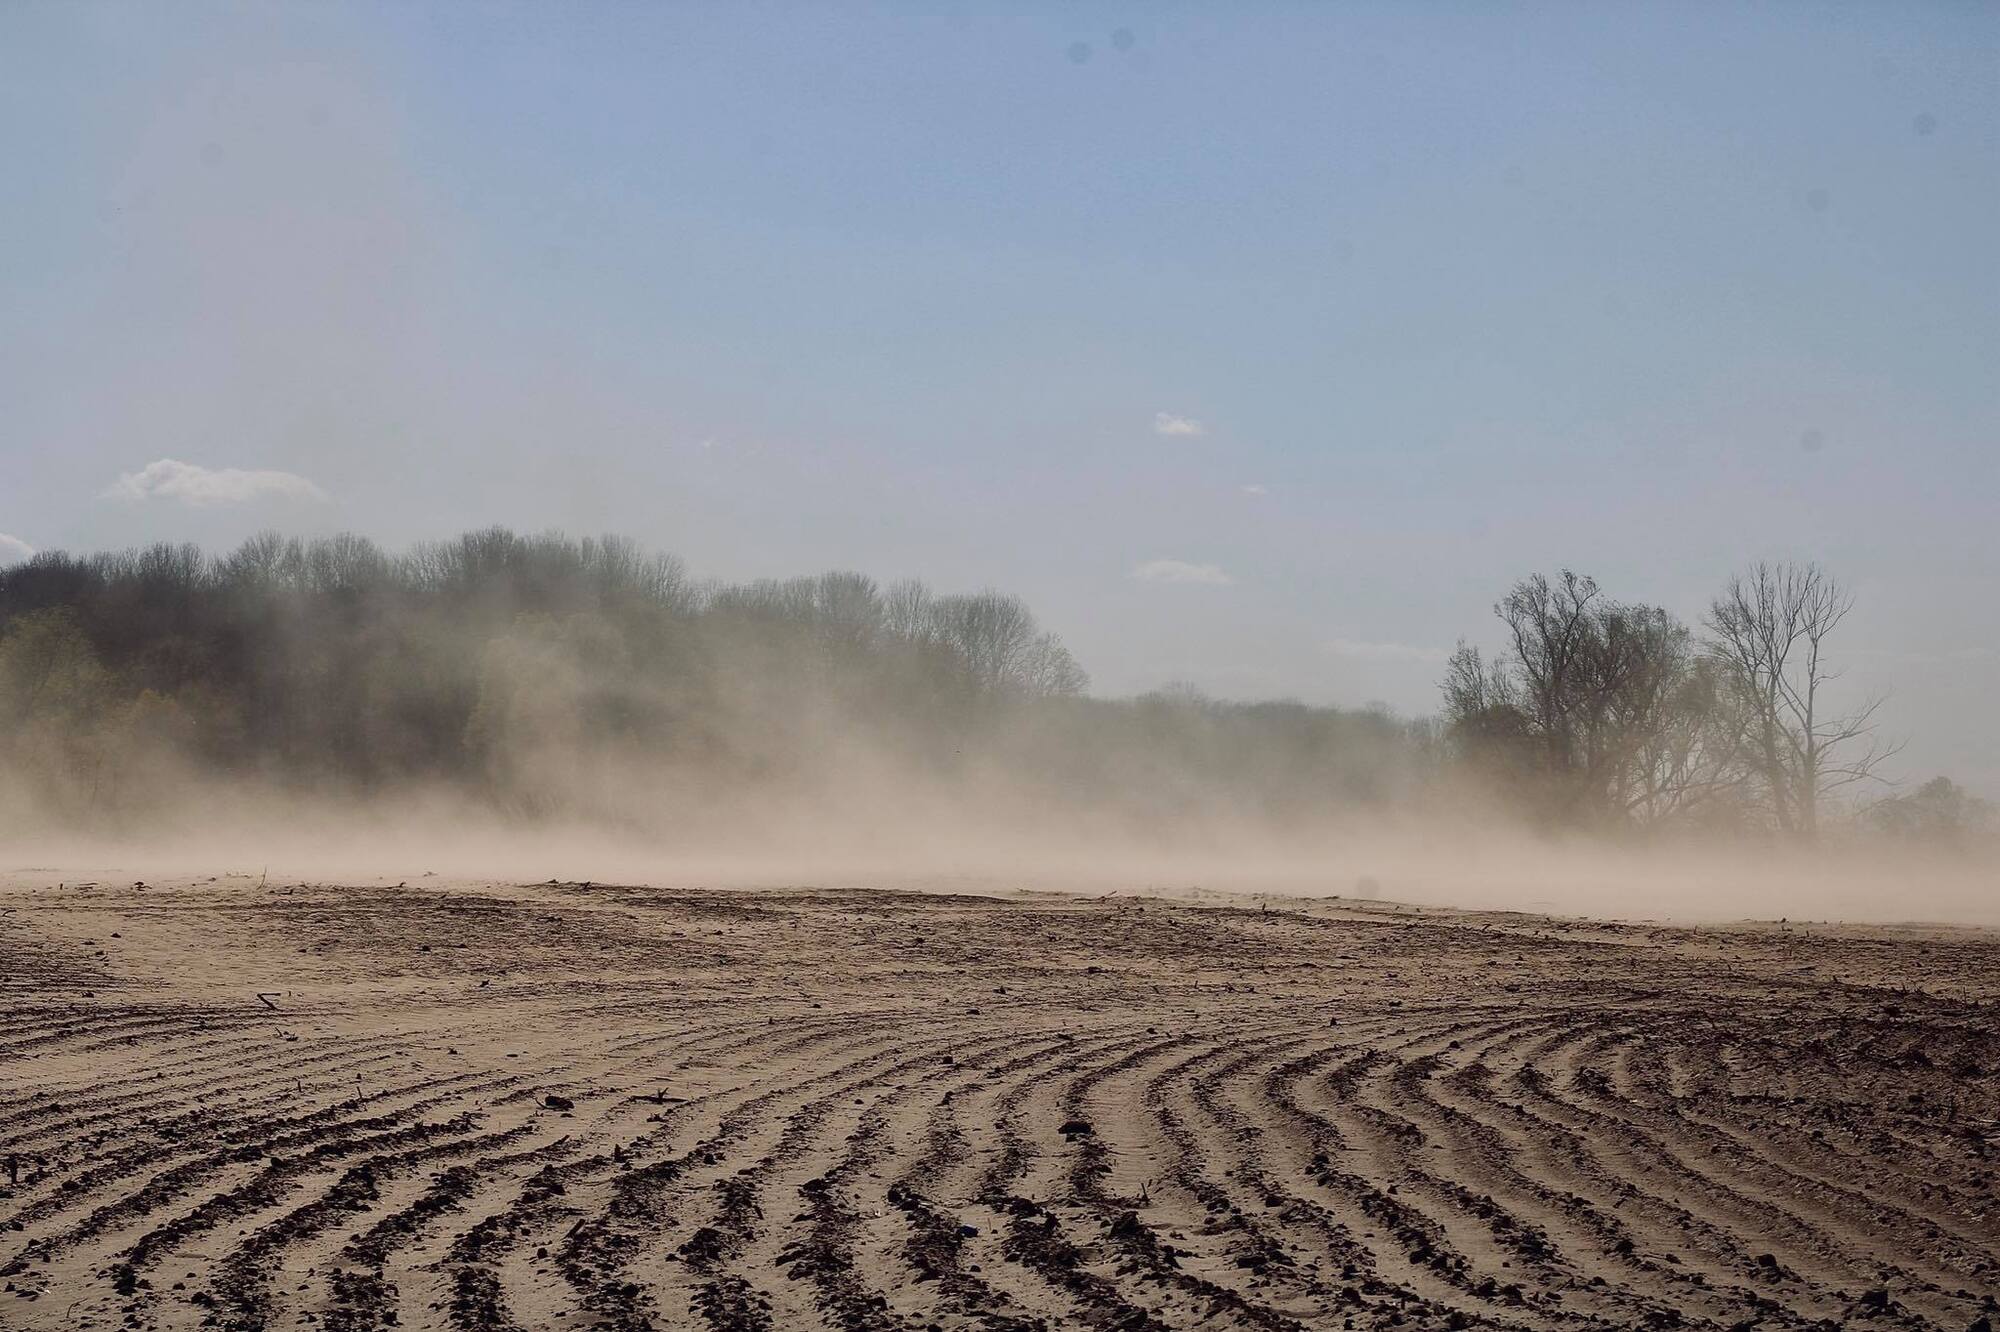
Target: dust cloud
1489,867
527,708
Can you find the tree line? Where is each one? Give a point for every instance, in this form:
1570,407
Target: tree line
548,674
1603,713
544,674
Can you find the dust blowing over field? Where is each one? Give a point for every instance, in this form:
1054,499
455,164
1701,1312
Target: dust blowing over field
540,706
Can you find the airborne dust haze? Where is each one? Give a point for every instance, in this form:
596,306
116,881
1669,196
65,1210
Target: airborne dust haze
521,709
290,267
1473,869
1195,668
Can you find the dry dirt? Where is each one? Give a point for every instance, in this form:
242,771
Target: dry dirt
572,1105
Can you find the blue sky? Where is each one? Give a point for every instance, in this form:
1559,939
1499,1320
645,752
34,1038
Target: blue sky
1259,346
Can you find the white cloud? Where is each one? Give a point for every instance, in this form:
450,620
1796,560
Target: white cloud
1347,647
1180,571
1166,423
190,483
13,549
1256,491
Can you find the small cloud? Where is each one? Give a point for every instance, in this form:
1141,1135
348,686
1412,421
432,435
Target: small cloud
1180,571
1348,647
1166,423
13,550
190,483
1256,491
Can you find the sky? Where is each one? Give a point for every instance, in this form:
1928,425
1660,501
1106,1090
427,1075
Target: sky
1257,346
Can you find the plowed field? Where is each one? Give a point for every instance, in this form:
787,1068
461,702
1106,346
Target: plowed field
478,1107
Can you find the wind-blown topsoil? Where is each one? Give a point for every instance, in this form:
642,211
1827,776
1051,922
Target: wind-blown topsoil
232,1104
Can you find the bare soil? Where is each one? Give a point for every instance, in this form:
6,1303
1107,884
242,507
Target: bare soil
443,1105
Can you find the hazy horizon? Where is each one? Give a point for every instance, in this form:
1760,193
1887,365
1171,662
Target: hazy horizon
1259,349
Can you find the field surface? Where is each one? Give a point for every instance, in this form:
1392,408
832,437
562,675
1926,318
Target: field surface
445,1105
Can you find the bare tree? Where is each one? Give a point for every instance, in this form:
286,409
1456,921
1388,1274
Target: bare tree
1484,720
1682,761
1769,630
847,611
1047,670
1598,711
906,610
992,633
1939,813
1553,636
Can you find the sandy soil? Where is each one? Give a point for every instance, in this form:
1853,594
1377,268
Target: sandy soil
477,1106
